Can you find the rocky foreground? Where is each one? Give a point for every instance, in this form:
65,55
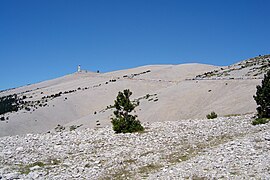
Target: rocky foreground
223,148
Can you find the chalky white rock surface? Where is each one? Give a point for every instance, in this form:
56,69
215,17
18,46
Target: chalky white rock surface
223,148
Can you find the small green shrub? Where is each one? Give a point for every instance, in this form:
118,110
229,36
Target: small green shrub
262,97
212,115
260,121
72,128
124,122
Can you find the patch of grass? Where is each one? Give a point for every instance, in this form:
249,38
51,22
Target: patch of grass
121,174
234,173
260,121
142,132
53,162
178,157
38,163
129,161
184,157
196,177
149,168
232,115
26,169
188,152
146,153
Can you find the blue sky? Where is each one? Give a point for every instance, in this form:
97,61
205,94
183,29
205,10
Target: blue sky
45,39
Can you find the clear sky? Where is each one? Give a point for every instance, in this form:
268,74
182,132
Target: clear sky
45,39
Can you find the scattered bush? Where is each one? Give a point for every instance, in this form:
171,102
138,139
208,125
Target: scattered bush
124,122
262,97
260,121
212,115
59,128
9,103
72,128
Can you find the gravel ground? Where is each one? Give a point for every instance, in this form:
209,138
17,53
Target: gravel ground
222,148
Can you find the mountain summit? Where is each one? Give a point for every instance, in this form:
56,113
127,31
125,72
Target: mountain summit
164,92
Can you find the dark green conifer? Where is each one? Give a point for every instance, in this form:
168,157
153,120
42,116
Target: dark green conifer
124,122
262,97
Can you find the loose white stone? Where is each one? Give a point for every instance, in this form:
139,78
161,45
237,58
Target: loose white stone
19,149
228,148
13,175
34,168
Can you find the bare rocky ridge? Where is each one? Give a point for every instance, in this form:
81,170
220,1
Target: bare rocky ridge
70,98
62,127
253,68
181,92
223,148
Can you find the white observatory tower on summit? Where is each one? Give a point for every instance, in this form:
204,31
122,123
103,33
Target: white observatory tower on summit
80,70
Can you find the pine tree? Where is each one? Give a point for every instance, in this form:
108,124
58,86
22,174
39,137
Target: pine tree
124,122
262,97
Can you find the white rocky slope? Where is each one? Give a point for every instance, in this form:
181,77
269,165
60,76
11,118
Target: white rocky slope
222,148
252,68
174,92
68,99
